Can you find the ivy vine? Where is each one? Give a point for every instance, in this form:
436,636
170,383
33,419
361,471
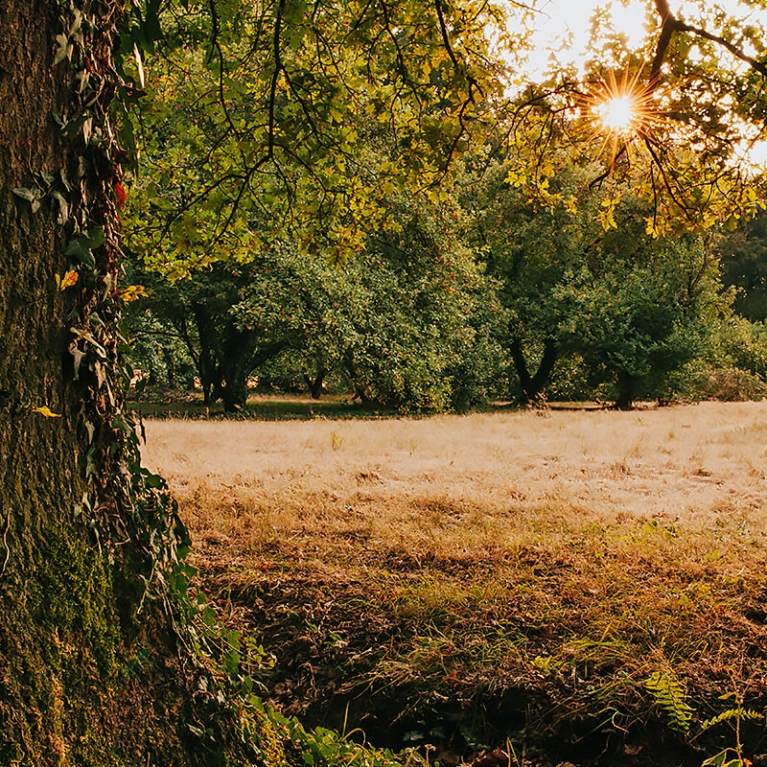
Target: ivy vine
125,503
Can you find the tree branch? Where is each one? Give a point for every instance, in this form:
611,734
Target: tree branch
670,24
276,75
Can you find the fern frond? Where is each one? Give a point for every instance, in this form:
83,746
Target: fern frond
668,693
742,714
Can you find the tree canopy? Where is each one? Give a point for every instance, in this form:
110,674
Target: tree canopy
693,99
267,115
263,115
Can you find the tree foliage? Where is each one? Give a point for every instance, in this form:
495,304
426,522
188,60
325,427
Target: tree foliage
633,308
744,266
395,321
696,88
271,114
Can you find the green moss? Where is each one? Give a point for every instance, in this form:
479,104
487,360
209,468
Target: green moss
75,593
258,728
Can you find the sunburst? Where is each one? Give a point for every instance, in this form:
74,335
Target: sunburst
620,110
618,114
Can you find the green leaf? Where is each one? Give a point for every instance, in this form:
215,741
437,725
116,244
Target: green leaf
154,481
63,207
96,237
208,617
63,49
152,28
76,250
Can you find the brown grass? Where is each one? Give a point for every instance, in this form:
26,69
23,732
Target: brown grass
468,484
459,561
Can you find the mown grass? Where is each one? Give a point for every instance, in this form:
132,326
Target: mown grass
464,580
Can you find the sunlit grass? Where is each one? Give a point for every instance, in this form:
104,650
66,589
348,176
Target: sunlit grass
572,554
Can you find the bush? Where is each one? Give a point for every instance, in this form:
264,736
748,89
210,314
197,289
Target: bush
730,384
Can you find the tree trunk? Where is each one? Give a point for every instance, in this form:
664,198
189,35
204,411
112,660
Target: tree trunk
83,678
316,384
234,393
207,369
236,351
627,392
532,386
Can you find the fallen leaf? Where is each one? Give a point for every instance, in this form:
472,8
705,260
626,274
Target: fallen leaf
47,412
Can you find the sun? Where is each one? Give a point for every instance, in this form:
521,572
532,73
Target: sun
618,113
619,109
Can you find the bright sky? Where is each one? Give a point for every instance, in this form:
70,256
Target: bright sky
565,24
561,22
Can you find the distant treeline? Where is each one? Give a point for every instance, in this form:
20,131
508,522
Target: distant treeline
485,296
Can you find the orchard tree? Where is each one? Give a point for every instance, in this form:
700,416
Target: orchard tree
418,315
159,357
744,266
677,116
200,311
296,121
640,317
530,251
584,278
396,321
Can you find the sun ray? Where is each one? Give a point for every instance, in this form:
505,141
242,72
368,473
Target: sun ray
618,111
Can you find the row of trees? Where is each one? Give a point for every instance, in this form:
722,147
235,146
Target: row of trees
487,295
533,270
408,322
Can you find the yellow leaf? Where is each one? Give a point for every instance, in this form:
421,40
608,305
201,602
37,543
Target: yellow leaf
132,292
607,216
67,281
47,412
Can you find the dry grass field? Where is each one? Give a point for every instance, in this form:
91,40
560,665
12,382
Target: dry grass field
590,585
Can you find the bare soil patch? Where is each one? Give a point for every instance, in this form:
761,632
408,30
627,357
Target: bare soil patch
584,585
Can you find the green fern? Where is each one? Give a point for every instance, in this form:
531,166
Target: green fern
741,714
669,695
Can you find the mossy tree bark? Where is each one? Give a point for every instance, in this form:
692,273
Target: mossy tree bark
81,680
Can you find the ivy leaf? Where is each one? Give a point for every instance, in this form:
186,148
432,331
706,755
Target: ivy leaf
154,481
152,28
87,129
132,293
63,207
96,237
139,64
31,195
76,249
63,49
67,281
78,356
81,248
